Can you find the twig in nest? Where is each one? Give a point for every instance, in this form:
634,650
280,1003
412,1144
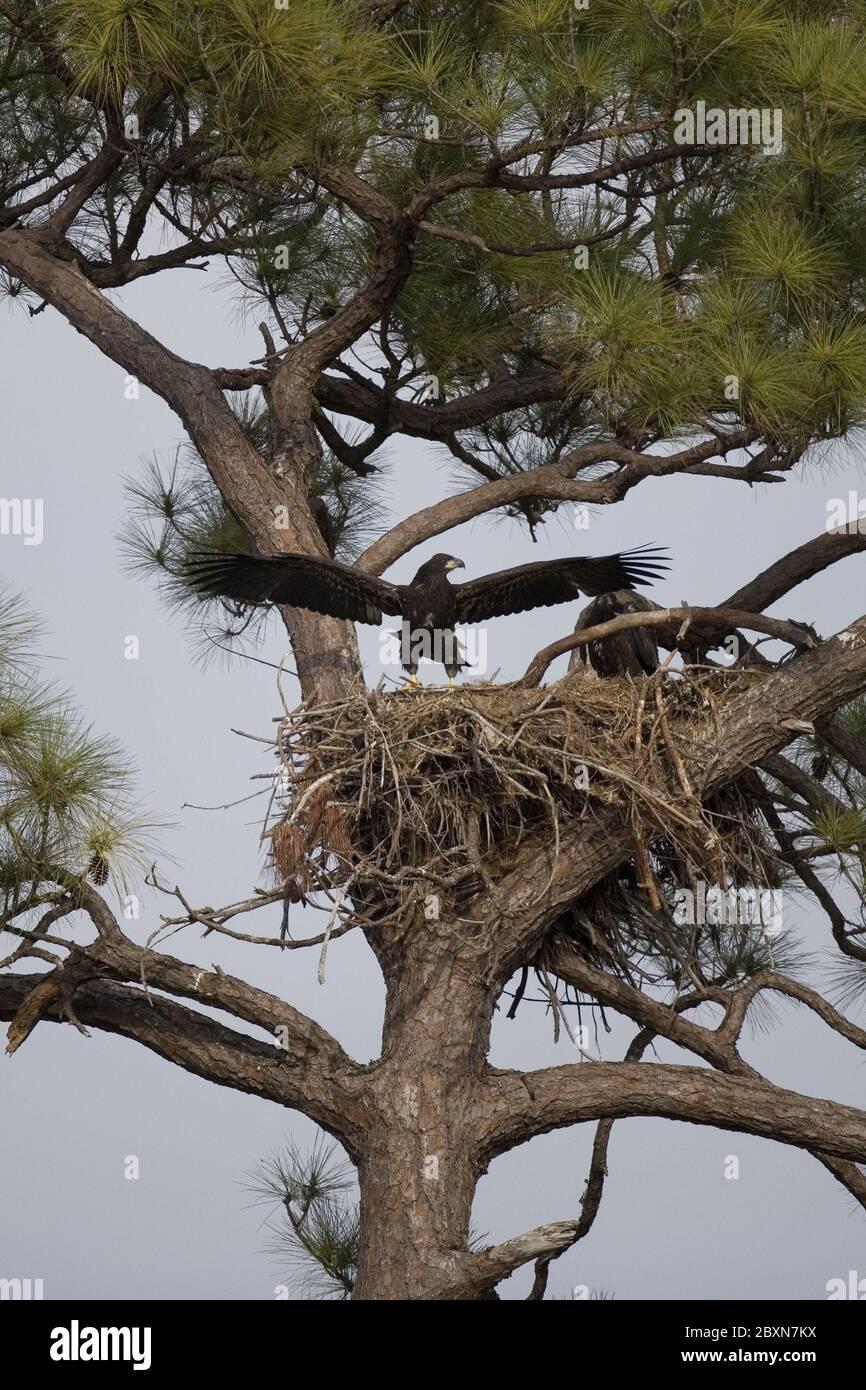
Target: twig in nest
328,929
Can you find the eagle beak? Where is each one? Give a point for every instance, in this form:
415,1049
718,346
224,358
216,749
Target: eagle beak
455,565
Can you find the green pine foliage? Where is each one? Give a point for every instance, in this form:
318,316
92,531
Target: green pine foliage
68,808
739,265
838,826
315,1234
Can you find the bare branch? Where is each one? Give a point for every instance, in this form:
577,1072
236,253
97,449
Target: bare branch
800,564
712,623
200,1045
850,746
555,482
368,402
522,1105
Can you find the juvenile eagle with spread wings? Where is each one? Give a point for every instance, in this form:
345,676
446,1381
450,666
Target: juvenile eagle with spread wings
430,605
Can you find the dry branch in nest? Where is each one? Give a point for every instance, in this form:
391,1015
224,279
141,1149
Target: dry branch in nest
434,793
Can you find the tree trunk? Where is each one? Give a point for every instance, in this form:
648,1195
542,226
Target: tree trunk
420,1165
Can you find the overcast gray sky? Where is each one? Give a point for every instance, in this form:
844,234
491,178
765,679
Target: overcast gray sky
671,1226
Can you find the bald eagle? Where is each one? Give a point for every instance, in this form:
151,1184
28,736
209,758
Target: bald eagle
632,652
430,606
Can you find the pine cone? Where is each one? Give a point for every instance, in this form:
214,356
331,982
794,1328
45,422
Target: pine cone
98,869
821,764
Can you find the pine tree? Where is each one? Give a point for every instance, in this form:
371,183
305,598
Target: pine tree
577,248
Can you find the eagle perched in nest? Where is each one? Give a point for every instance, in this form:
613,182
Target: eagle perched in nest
430,605
632,652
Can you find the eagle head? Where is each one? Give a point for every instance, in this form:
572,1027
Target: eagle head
439,565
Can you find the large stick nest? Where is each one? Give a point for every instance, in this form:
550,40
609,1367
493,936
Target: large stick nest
408,795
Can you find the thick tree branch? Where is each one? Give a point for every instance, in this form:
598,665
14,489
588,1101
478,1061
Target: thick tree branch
813,792
717,1046
326,651
553,481
305,1042
663,1020
200,1045
395,240
850,746
322,1072
713,624
521,1105
368,402
494,1264
800,564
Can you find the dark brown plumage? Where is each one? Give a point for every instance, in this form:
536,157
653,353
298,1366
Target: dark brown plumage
633,652
301,581
429,605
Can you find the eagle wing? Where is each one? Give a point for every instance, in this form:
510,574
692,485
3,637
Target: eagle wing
556,581
300,581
